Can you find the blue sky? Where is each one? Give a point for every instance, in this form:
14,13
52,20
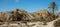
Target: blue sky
28,5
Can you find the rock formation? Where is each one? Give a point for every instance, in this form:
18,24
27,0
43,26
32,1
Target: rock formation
41,18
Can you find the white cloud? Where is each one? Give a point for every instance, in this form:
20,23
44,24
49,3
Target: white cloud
17,0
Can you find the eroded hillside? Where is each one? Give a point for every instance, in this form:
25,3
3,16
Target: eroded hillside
22,18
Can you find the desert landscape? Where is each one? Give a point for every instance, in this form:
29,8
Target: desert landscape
22,18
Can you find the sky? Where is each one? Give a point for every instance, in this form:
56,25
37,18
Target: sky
28,5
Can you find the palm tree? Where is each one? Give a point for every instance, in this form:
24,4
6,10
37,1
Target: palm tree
53,7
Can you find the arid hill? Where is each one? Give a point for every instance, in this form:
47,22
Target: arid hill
18,15
23,16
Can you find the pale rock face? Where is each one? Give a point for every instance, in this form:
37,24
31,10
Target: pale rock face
40,24
4,16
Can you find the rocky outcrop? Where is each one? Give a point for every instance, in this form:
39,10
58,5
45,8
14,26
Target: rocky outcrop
4,16
22,18
42,15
